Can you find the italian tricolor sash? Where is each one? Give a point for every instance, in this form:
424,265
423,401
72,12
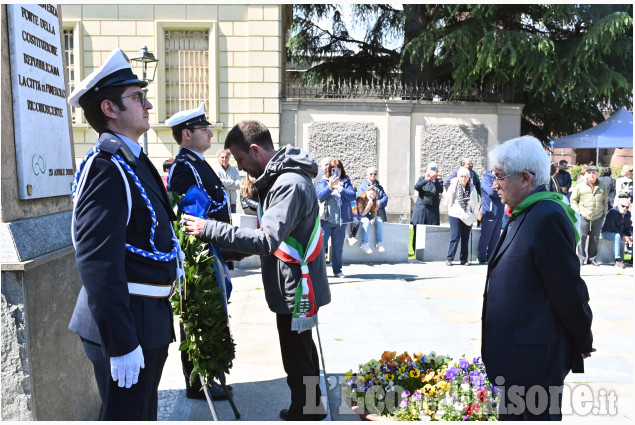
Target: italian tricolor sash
291,251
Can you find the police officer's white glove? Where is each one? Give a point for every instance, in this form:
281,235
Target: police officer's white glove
125,369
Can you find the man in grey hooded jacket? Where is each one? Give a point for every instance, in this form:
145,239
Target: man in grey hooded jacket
289,208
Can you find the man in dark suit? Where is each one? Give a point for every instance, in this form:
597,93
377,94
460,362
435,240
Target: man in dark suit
536,323
123,314
191,131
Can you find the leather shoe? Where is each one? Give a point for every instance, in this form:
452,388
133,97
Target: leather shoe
284,414
482,260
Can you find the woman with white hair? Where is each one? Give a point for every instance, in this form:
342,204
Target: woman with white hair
462,202
429,189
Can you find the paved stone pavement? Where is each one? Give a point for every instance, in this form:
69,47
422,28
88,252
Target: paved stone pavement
403,307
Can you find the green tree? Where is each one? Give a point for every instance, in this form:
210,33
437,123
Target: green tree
567,62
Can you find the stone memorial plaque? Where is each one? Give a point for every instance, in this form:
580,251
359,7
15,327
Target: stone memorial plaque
40,111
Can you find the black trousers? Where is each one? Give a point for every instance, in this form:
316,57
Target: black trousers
546,407
459,231
592,230
137,403
300,359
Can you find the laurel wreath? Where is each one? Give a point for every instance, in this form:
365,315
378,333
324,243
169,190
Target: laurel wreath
209,343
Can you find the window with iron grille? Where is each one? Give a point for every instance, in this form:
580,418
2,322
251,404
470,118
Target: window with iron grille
69,52
186,70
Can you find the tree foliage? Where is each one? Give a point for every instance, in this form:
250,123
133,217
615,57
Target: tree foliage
567,62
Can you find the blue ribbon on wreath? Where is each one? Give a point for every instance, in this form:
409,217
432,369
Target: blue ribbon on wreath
196,203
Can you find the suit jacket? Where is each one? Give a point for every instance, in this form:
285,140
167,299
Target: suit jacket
105,313
536,319
183,178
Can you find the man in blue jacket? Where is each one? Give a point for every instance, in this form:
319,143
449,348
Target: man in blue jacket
536,320
492,218
467,163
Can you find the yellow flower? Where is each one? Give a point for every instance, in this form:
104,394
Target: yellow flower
428,389
429,375
389,376
443,386
415,373
348,375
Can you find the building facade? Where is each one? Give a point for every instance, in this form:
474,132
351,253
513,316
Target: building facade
228,56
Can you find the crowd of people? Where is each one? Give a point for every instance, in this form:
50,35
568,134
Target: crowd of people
469,200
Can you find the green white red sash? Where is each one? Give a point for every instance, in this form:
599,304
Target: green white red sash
291,251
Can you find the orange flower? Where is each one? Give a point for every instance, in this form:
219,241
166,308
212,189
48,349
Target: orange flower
388,355
418,355
402,357
393,363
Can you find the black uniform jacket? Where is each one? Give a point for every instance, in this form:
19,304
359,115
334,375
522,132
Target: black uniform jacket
105,312
536,319
183,178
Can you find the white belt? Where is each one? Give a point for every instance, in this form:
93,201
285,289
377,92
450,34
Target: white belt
152,290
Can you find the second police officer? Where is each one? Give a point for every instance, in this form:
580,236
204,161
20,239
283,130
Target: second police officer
191,131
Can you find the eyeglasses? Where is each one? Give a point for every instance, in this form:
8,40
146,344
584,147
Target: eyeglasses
141,95
498,180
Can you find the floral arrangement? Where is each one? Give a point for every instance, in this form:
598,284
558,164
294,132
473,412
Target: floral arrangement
422,387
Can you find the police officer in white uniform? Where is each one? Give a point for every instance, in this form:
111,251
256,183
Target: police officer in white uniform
123,314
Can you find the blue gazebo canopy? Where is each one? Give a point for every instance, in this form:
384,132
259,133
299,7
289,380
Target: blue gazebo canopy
615,132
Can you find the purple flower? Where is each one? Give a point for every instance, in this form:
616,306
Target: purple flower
477,361
404,402
463,364
495,390
418,396
465,418
405,394
477,379
451,373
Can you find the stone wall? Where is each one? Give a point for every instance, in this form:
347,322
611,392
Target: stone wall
353,143
438,143
404,136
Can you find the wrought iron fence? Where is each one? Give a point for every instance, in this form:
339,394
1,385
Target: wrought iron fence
396,90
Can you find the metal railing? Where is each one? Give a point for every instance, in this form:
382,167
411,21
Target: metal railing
396,90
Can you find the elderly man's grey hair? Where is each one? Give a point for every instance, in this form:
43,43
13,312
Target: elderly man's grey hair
463,171
522,154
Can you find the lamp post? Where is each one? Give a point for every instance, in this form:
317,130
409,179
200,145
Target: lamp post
145,58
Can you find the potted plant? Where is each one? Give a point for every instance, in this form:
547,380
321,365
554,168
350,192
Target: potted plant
421,387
